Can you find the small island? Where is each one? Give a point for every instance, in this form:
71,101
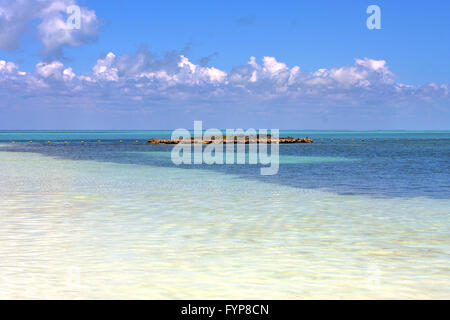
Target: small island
245,139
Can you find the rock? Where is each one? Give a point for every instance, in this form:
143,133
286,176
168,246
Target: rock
232,139
161,141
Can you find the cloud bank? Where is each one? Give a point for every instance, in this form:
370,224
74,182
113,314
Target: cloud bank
175,77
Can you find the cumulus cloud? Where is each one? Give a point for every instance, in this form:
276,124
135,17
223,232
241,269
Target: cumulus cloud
144,79
105,70
52,30
54,70
7,67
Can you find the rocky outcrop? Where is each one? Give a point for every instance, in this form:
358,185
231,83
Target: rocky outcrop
232,139
296,140
162,141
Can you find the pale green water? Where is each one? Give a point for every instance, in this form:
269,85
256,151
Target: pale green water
102,229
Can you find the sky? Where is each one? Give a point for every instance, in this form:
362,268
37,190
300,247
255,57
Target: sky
250,64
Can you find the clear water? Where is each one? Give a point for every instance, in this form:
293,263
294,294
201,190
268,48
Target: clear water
342,219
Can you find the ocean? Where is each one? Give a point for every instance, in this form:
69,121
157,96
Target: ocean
356,214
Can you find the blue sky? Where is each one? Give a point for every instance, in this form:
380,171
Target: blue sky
127,70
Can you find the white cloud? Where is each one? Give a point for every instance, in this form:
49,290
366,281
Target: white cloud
272,66
68,74
195,74
372,64
144,79
53,69
104,69
7,67
52,31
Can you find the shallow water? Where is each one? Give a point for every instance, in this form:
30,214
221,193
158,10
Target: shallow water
342,219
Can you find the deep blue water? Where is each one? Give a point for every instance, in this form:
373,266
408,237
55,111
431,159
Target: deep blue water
385,164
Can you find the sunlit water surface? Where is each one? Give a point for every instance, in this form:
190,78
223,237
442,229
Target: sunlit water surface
346,219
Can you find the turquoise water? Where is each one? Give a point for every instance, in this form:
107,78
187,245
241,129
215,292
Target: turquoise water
342,219
7,136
